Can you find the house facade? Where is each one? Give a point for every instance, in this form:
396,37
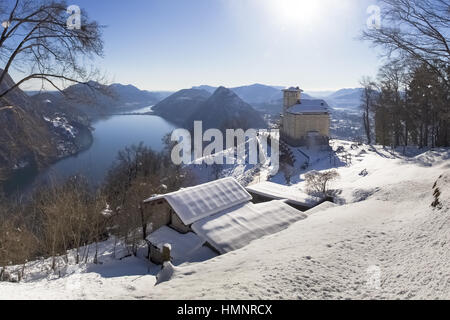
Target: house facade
304,122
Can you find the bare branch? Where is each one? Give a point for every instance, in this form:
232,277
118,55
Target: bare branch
37,38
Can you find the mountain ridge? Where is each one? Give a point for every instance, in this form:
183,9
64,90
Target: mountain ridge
224,109
217,110
25,138
95,100
181,105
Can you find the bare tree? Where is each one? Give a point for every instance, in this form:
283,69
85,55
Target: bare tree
70,217
139,173
288,172
37,44
415,30
368,100
17,243
216,171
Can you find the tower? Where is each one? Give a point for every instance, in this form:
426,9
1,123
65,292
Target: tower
291,97
304,123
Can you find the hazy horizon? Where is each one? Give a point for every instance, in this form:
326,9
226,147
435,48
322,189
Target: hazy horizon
305,90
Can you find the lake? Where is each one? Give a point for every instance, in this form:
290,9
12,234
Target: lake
110,135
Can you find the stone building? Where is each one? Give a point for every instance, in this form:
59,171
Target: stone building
304,122
211,219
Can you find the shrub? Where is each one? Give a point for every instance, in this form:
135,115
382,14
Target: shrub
318,182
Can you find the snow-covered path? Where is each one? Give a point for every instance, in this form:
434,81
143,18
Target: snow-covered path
386,242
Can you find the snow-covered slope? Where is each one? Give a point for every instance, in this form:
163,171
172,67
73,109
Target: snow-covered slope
384,241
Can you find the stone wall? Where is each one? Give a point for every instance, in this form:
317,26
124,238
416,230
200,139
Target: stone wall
296,127
178,225
162,214
291,98
159,213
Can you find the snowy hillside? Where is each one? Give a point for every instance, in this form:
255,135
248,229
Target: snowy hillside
383,240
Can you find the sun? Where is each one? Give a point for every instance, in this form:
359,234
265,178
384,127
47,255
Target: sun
295,12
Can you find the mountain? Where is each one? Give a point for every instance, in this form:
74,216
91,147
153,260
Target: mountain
210,89
181,105
109,99
319,94
259,93
37,130
345,98
224,109
161,95
275,107
346,94
25,138
256,94
51,103
307,96
94,99
269,99
129,95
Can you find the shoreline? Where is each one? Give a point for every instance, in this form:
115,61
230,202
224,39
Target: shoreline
26,175
20,181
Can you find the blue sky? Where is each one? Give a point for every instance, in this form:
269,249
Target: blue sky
175,44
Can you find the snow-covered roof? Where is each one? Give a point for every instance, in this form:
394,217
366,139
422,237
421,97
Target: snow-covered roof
322,207
235,228
277,191
195,203
182,245
309,106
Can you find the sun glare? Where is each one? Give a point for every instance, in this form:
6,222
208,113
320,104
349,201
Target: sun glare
295,12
